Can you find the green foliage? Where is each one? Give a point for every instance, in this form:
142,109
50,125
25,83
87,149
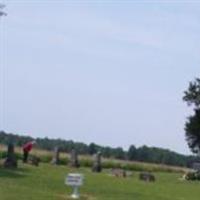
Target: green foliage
92,148
119,153
45,158
132,153
192,126
3,155
85,162
193,176
192,129
192,94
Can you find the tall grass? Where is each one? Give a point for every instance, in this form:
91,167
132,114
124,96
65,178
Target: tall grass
87,161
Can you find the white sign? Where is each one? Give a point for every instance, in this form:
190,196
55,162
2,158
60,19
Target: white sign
74,180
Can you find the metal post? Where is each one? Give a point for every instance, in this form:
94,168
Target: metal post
75,194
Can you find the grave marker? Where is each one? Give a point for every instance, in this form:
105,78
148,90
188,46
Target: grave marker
11,160
55,159
75,181
196,166
74,159
97,167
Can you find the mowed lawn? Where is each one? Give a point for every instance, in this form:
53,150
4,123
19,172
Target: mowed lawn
46,182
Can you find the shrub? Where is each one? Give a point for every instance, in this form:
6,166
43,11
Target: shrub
192,176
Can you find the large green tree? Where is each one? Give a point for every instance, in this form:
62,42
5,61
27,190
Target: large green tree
192,125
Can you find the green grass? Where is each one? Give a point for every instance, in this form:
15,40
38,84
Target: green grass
46,182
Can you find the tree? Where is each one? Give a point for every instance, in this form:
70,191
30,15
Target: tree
92,149
132,153
107,152
119,153
192,125
2,13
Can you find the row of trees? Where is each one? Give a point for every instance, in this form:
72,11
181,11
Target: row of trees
144,153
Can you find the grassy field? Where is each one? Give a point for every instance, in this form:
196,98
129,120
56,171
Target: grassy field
46,182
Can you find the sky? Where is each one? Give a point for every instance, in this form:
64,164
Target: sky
109,72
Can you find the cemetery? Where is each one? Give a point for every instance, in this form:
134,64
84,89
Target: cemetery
91,96
56,181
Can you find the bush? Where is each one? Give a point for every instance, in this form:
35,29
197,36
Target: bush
192,176
45,158
86,162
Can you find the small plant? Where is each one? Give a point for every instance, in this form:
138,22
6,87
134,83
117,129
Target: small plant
192,176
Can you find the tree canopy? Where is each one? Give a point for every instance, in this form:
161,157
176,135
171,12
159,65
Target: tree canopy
192,125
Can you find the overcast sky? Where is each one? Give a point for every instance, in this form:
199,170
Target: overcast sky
99,71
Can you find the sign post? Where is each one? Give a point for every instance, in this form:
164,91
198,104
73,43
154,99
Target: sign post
75,181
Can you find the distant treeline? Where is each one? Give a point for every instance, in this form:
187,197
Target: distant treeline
144,153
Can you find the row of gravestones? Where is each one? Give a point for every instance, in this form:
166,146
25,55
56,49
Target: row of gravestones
11,160
74,162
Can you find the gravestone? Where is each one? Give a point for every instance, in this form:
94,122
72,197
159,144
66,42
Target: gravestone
34,160
146,176
55,159
121,173
196,166
97,167
74,159
11,160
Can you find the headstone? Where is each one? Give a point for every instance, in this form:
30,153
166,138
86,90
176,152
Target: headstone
11,160
196,166
55,159
121,173
146,176
74,159
34,160
75,181
97,167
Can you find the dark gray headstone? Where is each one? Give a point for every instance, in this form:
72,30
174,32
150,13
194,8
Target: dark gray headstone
196,166
147,176
56,159
97,167
74,159
11,160
119,173
34,160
